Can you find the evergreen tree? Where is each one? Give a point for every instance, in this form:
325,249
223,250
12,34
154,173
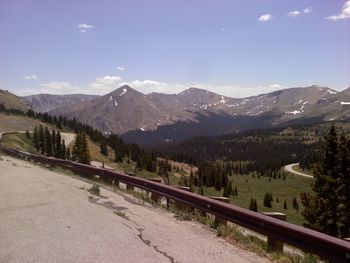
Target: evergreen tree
27,134
295,204
63,150
343,190
267,200
41,140
285,205
80,151
47,142
253,206
68,154
103,148
58,145
53,142
322,211
36,138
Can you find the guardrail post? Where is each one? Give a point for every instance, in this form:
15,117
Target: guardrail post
154,196
218,220
130,187
180,205
274,244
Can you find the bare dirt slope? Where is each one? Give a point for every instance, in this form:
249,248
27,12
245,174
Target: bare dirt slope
11,123
49,217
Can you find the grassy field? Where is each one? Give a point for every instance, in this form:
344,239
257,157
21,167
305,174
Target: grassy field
19,141
256,188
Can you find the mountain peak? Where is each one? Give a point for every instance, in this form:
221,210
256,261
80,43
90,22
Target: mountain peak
123,90
193,90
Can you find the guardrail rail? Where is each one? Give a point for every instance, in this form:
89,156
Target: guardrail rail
331,248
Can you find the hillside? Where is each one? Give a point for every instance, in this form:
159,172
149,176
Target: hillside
11,101
12,123
48,102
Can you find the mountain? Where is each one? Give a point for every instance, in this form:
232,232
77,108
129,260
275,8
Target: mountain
11,101
48,102
165,117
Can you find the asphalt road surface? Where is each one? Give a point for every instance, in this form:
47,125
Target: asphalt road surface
49,217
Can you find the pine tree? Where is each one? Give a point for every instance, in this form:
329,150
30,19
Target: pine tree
343,190
41,140
68,154
295,204
36,138
63,150
27,134
253,206
58,145
103,148
285,205
47,142
53,142
321,209
268,200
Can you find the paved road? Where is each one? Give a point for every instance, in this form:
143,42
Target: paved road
289,168
49,217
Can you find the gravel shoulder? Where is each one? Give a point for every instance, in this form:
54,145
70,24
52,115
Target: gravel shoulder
49,217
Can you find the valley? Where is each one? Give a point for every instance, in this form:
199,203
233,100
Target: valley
175,131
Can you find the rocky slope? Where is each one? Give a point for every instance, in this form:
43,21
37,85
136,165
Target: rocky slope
48,102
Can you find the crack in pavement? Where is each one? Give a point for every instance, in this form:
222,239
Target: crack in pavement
117,210
149,243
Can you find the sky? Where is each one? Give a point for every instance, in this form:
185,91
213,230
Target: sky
235,48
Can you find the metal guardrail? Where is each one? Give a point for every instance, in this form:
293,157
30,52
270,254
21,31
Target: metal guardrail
331,248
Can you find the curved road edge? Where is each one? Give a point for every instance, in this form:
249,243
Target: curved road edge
289,168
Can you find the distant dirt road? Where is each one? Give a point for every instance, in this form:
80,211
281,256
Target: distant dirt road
49,217
289,168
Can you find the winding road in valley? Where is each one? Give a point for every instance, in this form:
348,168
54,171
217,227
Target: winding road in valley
289,168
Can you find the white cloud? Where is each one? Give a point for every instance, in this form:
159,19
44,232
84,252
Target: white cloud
108,80
59,87
308,10
345,13
85,27
275,86
106,84
264,18
294,13
31,77
120,68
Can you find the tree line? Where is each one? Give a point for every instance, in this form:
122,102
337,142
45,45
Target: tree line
49,143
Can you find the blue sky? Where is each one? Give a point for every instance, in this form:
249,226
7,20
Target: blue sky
236,48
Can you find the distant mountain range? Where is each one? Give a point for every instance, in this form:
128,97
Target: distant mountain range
48,102
158,117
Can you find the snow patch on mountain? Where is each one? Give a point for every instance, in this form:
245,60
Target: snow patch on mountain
293,112
345,103
331,91
124,91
